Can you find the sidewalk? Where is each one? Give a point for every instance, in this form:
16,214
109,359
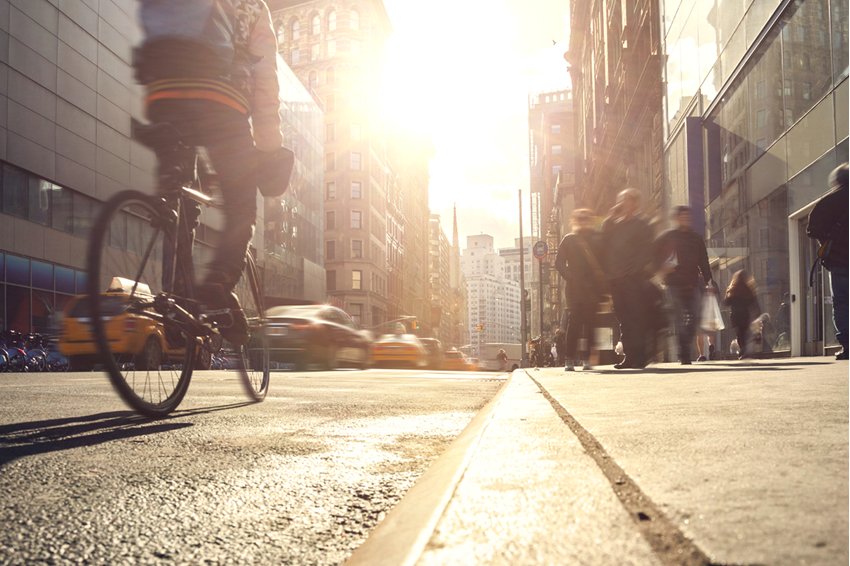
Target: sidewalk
716,463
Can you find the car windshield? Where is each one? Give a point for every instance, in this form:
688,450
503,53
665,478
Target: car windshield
299,311
398,338
111,305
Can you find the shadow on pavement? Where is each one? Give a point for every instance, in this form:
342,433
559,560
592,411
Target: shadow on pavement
41,437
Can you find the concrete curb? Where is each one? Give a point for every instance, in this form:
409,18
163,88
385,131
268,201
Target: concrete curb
401,537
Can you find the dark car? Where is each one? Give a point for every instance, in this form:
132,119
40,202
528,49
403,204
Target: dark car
434,348
316,334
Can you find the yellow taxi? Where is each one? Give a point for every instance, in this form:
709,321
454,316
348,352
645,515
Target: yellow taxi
398,349
138,339
456,361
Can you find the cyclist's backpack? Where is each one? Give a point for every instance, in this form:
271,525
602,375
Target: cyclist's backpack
187,38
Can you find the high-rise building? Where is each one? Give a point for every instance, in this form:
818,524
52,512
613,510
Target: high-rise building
338,53
494,299
513,268
552,168
439,264
615,68
409,152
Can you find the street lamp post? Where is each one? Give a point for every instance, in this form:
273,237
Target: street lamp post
522,362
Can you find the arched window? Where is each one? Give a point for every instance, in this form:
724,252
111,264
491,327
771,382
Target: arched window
332,20
355,19
330,76
281,32
316,25
314,79
296,29
806,62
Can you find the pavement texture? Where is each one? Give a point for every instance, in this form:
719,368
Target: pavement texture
718,463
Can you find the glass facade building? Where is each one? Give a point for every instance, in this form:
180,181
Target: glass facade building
757,117
294,225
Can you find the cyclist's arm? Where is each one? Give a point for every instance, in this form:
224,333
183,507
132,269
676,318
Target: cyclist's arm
266,110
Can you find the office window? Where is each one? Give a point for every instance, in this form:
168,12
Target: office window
355,102
330,162
556,169
330,220
356,279
330,190
356,248
332,21
330,280
556,128
355,160
316,25
330,249
356,219
294,56
556,149
330,132
355,189
330,103
15,191
296,29
355,132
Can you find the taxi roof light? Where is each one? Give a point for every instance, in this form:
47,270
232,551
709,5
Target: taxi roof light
122,285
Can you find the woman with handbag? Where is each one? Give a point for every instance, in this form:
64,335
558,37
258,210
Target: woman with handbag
743,306
578,263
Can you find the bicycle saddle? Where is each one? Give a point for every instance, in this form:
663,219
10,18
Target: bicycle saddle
153,136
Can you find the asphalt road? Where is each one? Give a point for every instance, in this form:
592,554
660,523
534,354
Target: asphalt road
301,478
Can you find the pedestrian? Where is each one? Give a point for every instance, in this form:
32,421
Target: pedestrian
627,247
743,307
682,255
703,336
828,223
560,347
578,263
502,359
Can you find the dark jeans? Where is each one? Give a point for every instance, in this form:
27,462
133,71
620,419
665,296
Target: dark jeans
581,323
838,280
226,135
630,308
686,303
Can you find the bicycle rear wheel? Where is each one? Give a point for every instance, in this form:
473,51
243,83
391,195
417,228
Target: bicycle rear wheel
147,354
252,359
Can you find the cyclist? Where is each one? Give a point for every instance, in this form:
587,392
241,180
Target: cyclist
208,67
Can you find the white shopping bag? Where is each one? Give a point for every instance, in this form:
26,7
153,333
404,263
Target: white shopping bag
710,319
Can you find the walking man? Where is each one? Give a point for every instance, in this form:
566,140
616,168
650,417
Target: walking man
828,223
682,254
627,247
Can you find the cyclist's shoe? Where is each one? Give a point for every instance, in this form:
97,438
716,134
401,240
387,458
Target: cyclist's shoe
226,311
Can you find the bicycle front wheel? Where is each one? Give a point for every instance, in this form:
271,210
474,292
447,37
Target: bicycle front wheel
252,359
147,354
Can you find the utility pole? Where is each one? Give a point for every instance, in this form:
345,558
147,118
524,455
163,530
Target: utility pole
522,284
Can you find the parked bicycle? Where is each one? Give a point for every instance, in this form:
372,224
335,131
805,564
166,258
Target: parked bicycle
148,241
12,347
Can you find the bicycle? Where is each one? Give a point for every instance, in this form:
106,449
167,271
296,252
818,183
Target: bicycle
150,240
16,357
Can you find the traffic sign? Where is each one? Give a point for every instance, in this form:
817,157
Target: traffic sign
540,250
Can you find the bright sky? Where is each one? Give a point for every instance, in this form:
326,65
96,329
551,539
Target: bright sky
462,70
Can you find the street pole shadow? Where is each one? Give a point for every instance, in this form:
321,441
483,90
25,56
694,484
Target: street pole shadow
19,440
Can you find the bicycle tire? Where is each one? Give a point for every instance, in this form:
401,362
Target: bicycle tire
252,359
17,360
4,361
131,239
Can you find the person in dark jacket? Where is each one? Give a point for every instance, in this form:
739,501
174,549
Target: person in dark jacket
578,263
828,223
627,247
743,306
683,257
